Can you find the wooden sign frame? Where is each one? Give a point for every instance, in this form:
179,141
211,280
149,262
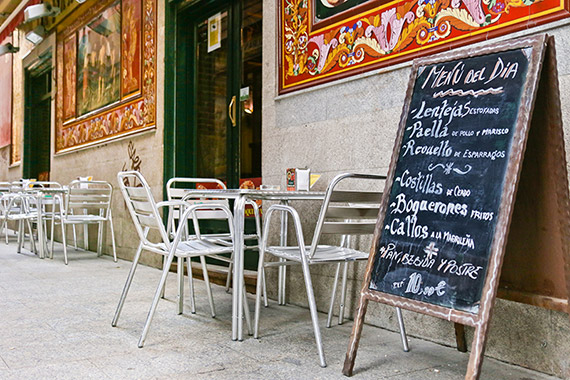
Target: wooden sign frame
541,45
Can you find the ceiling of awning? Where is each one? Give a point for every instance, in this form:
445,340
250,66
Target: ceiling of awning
12,15
7,7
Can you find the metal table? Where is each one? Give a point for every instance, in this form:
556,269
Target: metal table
240,197
56,194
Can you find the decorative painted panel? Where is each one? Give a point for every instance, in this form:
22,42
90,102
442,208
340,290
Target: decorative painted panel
70,67
6,97
378,33
98,61
131,77
107,65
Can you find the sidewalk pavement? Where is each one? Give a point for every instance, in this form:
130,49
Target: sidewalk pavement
56,324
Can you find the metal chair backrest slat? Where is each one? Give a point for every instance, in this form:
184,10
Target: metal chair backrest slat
347,212
89,195
180,193
348,228
356,196
142,207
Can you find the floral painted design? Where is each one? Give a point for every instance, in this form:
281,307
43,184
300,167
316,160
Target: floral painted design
392,30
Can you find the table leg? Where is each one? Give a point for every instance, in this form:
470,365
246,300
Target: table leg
238,282
282,280
40,223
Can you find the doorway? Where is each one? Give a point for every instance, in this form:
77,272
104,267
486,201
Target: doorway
37,127
214,89
217,129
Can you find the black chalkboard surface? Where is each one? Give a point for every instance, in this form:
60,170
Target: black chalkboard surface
445,198
443,225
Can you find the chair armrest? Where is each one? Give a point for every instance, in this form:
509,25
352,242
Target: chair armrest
189,214
171,203
296,222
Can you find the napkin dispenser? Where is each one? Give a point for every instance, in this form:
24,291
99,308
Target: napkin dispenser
298,179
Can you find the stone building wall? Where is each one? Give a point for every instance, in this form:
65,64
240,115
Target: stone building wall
350,126
102,161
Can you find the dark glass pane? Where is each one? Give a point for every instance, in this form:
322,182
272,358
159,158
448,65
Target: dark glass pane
251,85
211,103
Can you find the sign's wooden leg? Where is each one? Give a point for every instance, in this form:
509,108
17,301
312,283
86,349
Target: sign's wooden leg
355,336
460,337
477,351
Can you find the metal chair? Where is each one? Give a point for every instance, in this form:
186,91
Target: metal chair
16,208
52,206
145,215
88,202
176,189
344,213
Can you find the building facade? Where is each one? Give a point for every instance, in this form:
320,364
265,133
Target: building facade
243,90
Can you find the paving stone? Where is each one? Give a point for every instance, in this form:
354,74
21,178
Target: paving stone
56,324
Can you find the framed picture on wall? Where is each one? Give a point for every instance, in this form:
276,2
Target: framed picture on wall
102,62
98,61
327,12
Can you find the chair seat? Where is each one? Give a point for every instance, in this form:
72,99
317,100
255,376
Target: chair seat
191,248
80,219
21,216
324,253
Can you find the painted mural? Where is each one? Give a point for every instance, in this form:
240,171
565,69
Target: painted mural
394,32
6,97
131,46
69,64
107,65
98,61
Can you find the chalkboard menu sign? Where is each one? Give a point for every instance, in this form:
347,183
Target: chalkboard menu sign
445,198
443,225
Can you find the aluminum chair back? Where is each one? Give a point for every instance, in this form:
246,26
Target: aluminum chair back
174,191
348,212
86,198
5,187
143,210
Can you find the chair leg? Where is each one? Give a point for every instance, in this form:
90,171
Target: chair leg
247,314
208,288
51,237
155,300
343,294
32,240
229,278
6,229
264,289
127,286
63,230
402,330
228,282
314,315
85,234
333,296
99,238
113,236
20,232
163,265
260,272
191,286
180,276
74,237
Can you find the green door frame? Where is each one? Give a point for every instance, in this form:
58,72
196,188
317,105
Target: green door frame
179,43
28,133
